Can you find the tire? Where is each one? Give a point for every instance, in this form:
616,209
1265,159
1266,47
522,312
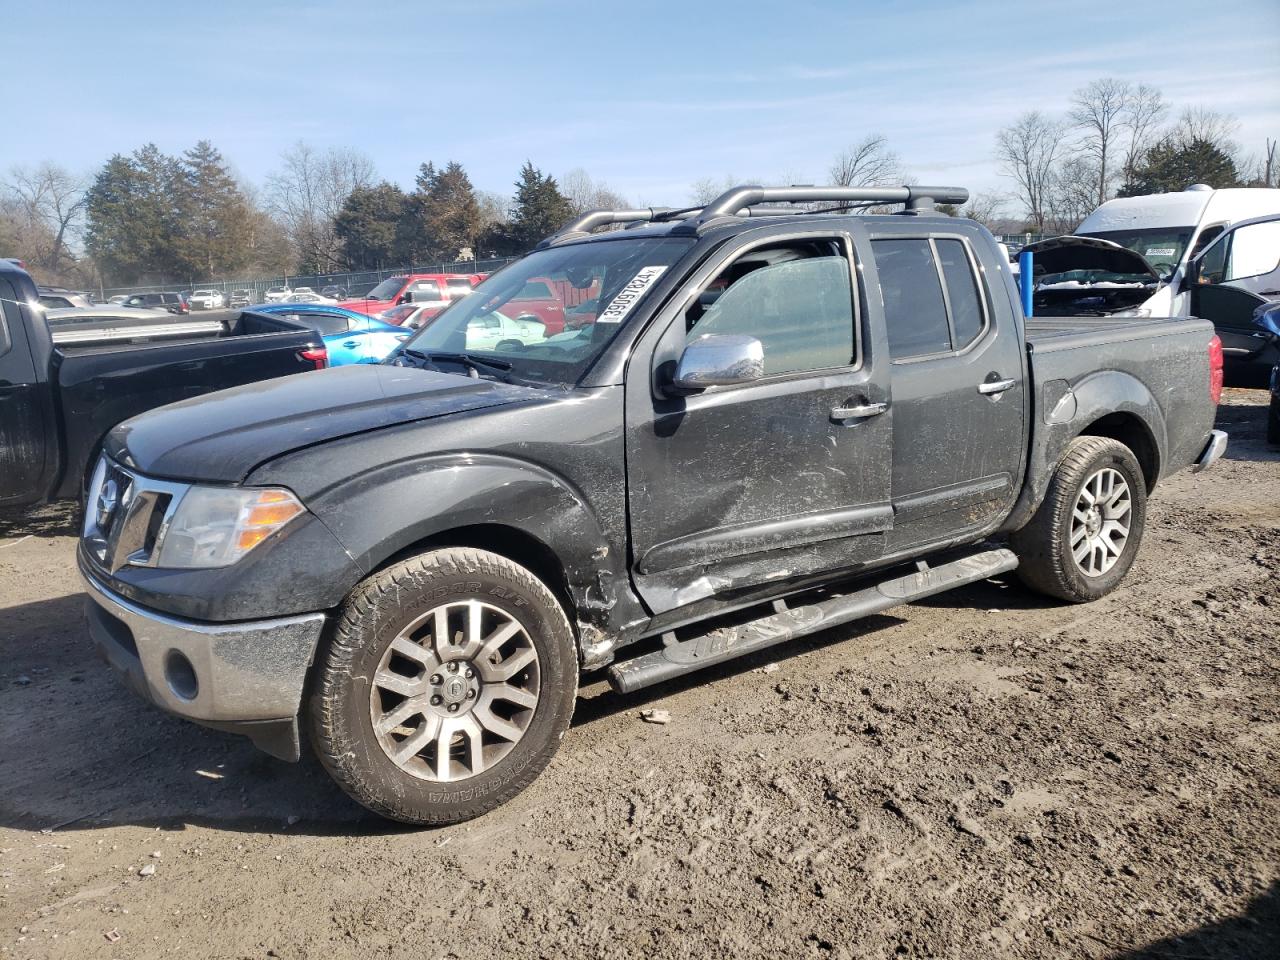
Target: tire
1273,420
369,701
1046,560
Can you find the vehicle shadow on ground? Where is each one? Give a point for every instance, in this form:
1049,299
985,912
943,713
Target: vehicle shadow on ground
1254,933
50,520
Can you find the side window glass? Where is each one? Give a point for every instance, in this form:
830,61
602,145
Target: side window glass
914,313
1214,261
7,308
1255,250
801,311
962,292
1207,236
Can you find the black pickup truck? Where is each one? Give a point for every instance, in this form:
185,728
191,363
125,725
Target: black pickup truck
777,421
69,376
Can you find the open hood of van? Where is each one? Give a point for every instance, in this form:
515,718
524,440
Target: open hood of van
1058,255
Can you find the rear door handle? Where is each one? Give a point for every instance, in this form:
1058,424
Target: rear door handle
995,386
859,412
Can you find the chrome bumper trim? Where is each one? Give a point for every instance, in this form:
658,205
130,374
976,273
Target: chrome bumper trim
1213,450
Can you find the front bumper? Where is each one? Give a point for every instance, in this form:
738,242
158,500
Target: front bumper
1213,450
247,677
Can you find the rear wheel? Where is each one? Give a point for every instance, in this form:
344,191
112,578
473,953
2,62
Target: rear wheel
1085,535
447,686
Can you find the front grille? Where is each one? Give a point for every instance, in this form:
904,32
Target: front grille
125,516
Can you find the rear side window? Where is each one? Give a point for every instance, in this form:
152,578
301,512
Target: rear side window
426,286
535,290
323,323
963,294
459,288
914,312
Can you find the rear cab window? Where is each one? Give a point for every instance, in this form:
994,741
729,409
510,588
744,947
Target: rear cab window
933,303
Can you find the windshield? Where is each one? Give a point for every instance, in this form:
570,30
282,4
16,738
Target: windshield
536,342
1162,247
387,289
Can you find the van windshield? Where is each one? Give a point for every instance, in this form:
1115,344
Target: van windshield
1162,247
499,328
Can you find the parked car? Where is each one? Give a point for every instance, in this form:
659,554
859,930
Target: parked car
119,298
1129,257
539,299
335,292
1267,318
303,296
171,302
68,376
56,298
240,298
303,290
1231,283
433,548
497,331
207,300
276,294
349,337
435,290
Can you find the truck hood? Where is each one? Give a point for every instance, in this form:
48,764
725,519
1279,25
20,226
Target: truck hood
1064,254
222,436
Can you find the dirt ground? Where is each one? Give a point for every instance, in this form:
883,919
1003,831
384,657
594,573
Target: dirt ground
982,775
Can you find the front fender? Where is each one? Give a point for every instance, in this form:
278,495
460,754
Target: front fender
1067,411
390,508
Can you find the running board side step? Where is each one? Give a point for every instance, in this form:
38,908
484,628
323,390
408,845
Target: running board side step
677,658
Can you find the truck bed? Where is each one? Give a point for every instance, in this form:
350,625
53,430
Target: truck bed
1065,333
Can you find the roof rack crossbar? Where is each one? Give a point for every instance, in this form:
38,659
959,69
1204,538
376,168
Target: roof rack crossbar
584,224
915,197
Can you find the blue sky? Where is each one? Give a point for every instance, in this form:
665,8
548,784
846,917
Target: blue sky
648,97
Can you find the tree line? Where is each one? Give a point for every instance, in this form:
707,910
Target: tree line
1119,139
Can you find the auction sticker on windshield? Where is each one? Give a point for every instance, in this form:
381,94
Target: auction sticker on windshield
621,305
1160,251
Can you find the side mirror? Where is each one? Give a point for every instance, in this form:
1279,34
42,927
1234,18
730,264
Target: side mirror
1267,317
719,360
406,298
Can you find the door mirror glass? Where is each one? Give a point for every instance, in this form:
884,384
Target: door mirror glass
406,297
719,360
1268,318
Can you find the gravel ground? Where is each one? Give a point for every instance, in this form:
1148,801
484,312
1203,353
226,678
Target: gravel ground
985,774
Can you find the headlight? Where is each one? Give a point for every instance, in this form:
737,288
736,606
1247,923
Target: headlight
216,526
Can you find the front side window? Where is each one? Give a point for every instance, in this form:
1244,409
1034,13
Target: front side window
915,314
796,300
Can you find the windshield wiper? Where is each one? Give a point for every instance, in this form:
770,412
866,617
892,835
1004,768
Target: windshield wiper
468,360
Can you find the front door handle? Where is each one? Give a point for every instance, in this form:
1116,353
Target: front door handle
995,386
351,344
859,412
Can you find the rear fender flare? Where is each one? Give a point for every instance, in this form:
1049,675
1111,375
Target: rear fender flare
1066,412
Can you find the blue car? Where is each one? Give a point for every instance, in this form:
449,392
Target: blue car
349,337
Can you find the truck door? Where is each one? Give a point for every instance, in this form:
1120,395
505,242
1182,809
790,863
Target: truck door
957,375
771,480
1235,275
23,427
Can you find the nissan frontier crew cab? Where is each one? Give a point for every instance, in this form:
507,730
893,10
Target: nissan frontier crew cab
782,419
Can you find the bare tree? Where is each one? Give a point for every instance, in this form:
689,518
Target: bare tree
584,193
984,207
1208,126
52,202
1098,110
1072,193
306,195
1028,151
1143,114
706,189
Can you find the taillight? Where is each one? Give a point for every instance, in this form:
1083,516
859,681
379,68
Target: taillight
1215,369
318,355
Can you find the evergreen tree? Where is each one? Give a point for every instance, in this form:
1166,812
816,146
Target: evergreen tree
217,220
539,209
368,225
135,212
1170,166
450,210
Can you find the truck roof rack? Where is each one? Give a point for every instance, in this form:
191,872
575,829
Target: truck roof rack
581,227
738,201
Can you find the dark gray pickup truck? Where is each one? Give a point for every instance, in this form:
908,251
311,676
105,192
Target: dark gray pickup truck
776,420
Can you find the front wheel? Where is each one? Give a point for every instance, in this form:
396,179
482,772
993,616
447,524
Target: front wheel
1085,535
447,686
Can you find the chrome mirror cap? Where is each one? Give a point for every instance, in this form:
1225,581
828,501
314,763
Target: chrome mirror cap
719,360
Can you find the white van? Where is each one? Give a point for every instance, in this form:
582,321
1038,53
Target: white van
1129,257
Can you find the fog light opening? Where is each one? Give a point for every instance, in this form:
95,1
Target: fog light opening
181,675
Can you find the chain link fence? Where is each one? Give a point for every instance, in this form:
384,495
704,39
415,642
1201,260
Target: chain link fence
354,284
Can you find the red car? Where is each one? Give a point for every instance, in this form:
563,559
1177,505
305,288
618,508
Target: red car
539,298
436,290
